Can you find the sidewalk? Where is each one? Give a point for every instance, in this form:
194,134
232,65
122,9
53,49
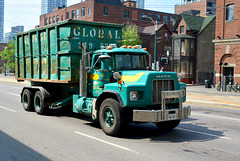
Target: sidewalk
11,79
198,94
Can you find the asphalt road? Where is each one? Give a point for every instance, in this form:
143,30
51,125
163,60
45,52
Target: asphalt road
212,133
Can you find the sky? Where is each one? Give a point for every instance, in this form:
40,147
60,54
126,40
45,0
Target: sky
27,12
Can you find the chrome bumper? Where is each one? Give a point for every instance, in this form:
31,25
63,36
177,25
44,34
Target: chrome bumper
163,114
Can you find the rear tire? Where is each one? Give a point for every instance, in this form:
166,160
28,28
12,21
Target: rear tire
167,125
27,100
39,103
112,119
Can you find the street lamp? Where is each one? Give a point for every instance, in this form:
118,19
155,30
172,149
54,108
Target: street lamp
155,49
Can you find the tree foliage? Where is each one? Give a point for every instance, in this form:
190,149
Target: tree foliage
8,55
130,36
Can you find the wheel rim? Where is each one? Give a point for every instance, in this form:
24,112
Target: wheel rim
25,100
108,117
37,103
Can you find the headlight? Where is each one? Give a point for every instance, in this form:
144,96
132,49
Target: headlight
184,92
133,95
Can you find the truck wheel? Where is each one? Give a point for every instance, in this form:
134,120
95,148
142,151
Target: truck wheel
39,103
27,100
112,119
168,125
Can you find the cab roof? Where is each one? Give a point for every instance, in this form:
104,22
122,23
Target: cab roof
122,50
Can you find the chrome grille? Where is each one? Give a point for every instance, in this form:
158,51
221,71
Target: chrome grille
158,87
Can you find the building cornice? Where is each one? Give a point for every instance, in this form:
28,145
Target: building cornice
226,41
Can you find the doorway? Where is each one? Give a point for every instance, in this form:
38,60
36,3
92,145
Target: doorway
229,73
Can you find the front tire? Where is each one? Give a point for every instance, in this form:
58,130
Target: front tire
27,100
167,125
39,103
112,119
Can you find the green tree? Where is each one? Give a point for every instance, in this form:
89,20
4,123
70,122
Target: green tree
130,36
8,55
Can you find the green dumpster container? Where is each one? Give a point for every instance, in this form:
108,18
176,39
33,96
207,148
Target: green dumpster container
52,53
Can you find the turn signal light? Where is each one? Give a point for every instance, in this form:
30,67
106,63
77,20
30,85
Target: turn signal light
145,49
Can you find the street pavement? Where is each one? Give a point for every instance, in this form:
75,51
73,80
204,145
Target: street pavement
196,94
209,134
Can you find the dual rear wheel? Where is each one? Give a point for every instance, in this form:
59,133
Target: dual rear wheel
31,103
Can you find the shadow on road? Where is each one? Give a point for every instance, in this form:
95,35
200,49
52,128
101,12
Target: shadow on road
185,132
11,149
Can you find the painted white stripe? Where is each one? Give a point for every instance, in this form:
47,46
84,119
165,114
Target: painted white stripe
211,102
220,117
106,142
14,94
8,109
203,133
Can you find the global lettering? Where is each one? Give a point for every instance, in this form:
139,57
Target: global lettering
96,33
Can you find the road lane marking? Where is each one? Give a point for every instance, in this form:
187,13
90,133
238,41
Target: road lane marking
8,109
220,117
106,142
203,133
213,102
14,94
219,101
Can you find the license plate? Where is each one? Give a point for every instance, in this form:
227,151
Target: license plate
172,116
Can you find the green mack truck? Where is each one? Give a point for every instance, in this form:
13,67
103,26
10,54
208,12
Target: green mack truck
78,64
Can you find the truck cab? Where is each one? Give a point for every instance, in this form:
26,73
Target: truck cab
121,89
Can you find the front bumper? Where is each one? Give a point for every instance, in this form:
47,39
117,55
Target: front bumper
159,115
163,114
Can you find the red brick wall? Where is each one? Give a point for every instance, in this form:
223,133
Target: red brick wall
161,43
2,46
227,30
115,14
202,6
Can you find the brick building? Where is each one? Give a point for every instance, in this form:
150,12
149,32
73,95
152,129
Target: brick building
193,49
227,42
107,11
2,47
111,12
164,42
205,7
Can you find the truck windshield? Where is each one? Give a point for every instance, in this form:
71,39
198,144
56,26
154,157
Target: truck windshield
128,61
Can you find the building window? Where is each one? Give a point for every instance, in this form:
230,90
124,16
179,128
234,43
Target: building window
181,29
165,19
83,11
105,11
73,14
53,19
142,16
62,18
171,20
158,18
230,12
166,35
77,13
50,20
151,16
57,18
67,15
46,21
185,47
89,11
126,13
